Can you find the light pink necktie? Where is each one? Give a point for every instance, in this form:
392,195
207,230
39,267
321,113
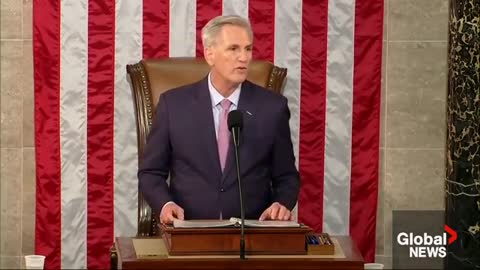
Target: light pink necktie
223,133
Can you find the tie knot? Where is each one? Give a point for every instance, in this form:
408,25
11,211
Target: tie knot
225,104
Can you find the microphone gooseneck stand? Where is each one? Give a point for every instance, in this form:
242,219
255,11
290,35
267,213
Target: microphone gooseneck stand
235,132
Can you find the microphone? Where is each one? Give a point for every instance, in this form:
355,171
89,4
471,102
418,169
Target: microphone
235,125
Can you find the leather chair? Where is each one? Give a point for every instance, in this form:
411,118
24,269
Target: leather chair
149,78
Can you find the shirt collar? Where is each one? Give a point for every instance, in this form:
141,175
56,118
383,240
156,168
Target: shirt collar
216,97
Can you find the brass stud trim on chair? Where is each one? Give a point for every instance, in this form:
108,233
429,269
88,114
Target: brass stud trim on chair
270,80
142,97
146,93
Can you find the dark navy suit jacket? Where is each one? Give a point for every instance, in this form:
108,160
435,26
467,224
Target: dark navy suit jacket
182,144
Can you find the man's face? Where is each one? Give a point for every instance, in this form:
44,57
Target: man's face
230,55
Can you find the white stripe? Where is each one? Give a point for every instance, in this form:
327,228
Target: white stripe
128,49
338,129
183,20
236,7
288,53
73,133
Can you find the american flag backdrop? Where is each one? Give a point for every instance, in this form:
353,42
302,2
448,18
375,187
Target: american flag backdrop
85,135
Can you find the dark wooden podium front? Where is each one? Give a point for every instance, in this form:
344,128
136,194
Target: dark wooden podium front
128,260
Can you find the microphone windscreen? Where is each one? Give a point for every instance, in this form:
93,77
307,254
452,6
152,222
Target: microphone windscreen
235,119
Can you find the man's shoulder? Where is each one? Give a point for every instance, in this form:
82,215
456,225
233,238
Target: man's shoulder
184,91
264,94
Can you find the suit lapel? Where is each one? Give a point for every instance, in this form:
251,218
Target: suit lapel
203,107
245,104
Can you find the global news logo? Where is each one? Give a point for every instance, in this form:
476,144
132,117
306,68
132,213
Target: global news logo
425,245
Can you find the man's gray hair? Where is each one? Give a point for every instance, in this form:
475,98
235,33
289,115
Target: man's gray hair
213,27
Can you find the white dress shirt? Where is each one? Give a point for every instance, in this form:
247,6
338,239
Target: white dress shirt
216,98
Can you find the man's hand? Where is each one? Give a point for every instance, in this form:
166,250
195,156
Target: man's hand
276,211
169,212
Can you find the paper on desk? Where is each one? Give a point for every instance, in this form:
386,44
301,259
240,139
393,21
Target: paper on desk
202,223
266,223
215,223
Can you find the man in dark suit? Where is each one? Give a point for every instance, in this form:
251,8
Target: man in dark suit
190,141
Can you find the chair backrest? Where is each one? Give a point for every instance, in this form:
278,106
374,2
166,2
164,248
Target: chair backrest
149,78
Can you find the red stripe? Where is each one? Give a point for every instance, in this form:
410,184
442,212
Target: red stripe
46,55
365,124
262,19
206,10
101,53
312,112
156,21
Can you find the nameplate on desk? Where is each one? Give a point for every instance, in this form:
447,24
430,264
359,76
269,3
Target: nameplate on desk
149,248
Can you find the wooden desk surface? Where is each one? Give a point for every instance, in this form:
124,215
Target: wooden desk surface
128,260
